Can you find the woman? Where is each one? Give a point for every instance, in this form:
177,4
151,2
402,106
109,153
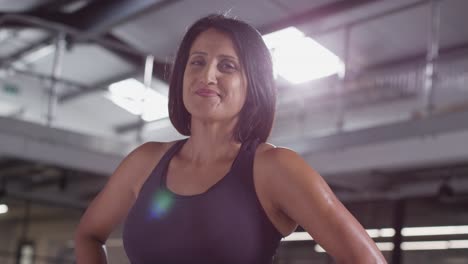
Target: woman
223,195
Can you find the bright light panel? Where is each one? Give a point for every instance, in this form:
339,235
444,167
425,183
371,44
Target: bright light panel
383,246
425,245
390,232
3,209
383,232
298,236
434,230
133,96
374,233
319,249
458,243
417,245
387,232
434,245
298,58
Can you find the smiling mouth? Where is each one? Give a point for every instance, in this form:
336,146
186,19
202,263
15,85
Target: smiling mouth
206,93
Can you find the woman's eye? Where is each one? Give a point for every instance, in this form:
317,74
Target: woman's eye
196,62
228,66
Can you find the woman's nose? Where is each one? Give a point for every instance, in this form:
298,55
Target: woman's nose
210,74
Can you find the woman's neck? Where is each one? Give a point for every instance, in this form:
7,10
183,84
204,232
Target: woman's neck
210,143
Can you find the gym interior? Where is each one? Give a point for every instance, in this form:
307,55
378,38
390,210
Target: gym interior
373,95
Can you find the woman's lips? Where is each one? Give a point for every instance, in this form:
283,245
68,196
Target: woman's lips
206,92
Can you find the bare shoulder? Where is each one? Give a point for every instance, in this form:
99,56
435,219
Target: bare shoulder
280,168
143,159
150,148
284,170
274,158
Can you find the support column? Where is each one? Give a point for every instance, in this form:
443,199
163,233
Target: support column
398,223
149,62
341,82
431,58
56,73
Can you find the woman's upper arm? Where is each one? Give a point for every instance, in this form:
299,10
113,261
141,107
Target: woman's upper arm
114,201
302,194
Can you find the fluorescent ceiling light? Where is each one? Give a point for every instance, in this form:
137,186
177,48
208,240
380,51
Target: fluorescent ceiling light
434,230
390,232
298,58
424,245
298,236
417,245
458,244
383,246
133,96
434,245
374,233
3,208
383,232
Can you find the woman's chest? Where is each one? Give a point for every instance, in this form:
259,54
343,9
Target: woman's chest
214,226
189,180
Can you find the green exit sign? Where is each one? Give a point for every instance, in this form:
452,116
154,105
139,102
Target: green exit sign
10,89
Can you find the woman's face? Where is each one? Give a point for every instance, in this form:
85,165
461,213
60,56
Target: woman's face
214,86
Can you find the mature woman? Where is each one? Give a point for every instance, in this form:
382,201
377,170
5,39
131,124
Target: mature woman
223,195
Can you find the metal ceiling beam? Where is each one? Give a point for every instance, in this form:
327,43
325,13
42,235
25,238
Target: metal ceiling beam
67,97
99,17
42,76
47,199
316,14
57,22
11,24
101,155
54,6
53,25
7,61
161,70
429,126
112,43
369,18
420,57
64,148
127,127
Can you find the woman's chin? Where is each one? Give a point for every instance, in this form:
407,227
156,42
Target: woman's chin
210,117
206,117
205,109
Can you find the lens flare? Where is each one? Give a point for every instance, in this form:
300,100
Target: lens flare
161,204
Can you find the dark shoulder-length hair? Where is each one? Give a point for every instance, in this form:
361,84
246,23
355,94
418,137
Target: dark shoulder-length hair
257,115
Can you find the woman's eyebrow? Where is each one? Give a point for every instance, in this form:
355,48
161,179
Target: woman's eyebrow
221,55
198,53
228,57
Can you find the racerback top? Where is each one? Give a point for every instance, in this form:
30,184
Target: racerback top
226,224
